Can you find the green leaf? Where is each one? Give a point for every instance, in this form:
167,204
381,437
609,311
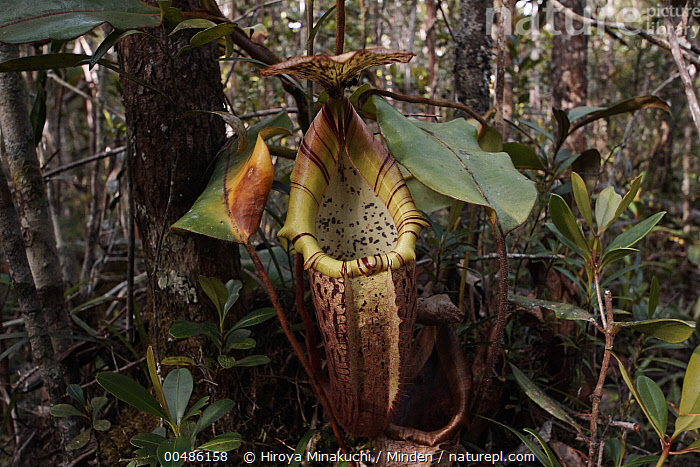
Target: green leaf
635,393
629,197
76,392
653,297
96,404
629,105
213,413
109,41
195,23
255,317
566,224
690,397
177,388
253,360
583,201
210,214
561,310
182,329
319,23
223,443
215,290
65,410
102,425
155,380
446,157
532,446
523,156
147,440
196,407
233,287
551,457
636,233
616,254
674,331
426,200
563,125
180,445
22,21
579,112
178,361
208,35
542,399
131,392
242,344
605,208
653,399
81,440
301,447
225,361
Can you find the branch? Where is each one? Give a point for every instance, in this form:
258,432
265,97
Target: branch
629,29
685,76
420,100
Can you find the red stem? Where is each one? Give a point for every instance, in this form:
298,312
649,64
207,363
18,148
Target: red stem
340,26
287,329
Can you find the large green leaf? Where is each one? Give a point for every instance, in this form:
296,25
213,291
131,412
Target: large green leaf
583,201
447,158
668,330
177,388
210,214
29,21
561,310
689,408
653,399
540,398
131,392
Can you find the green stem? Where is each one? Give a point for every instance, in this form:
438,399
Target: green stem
287,329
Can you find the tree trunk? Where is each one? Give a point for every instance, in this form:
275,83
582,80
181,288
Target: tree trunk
172,159
31,198
569,60
473,45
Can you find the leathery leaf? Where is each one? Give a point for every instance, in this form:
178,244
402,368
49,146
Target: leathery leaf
447,158
231,206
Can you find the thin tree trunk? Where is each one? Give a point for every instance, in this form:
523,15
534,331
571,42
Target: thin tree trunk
569,60
431,6
172,159
685,187
32,201
473,45
30,306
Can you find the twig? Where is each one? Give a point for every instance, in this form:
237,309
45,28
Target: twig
287,329
420,100
627,28
266,112
503,295
87,96
305,317
86,160
492,256
598,393
680,64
